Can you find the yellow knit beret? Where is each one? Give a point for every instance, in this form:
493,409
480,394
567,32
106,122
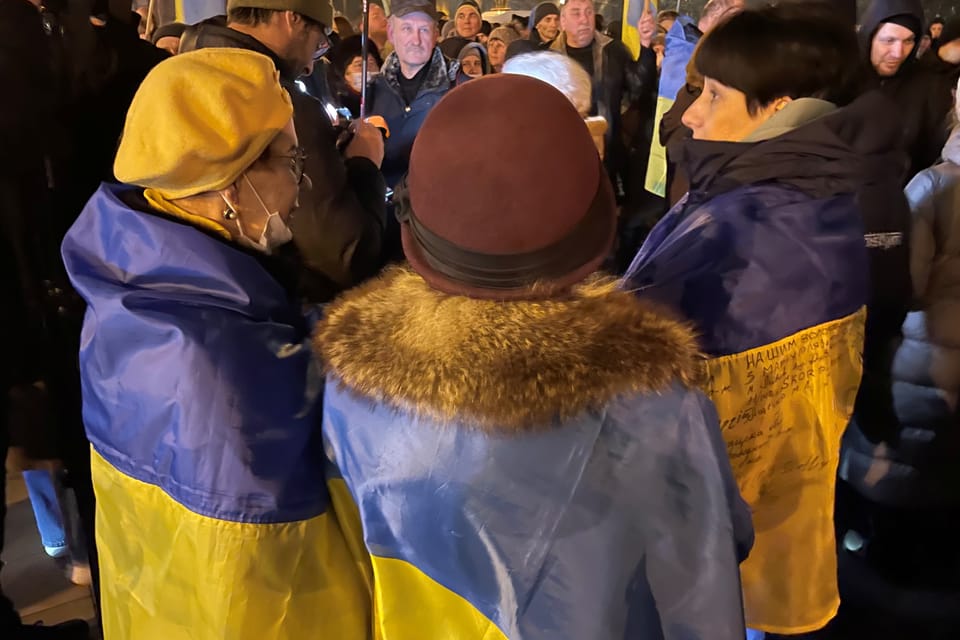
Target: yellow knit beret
199,120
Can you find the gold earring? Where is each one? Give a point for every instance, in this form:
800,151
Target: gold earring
229,214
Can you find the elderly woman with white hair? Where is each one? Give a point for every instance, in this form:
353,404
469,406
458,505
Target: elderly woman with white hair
566,75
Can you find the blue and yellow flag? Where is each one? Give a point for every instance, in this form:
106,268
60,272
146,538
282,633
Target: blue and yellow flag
632,10
213,517
681,41
776,283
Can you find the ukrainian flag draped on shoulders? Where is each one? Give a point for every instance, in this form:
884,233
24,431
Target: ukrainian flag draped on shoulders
766,256
531,470
213,518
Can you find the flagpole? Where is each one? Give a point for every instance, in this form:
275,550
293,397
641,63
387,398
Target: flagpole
364,51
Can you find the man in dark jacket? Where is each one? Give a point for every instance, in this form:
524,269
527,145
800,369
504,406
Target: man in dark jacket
889,33
614,72
339,226
414,77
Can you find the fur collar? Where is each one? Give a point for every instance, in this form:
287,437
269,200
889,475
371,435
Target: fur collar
442,73
506,366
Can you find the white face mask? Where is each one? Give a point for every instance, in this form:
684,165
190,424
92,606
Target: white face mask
355,80
275,232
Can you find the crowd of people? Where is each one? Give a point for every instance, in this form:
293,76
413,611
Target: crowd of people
487,331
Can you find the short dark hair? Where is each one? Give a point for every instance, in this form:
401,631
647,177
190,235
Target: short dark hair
782,51
252,16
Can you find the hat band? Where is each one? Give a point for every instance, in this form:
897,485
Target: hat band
588,238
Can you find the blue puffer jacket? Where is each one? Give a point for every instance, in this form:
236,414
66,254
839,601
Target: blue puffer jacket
529,470
405,120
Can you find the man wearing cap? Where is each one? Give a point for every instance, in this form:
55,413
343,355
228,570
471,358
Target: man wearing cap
339,227
889,33
414,77
544,25
524,445
614,72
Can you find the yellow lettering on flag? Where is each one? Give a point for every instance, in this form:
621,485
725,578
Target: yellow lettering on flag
783,408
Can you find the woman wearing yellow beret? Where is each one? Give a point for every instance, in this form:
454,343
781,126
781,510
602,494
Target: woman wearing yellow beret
213,519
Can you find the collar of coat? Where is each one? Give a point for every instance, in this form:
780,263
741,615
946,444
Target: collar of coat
505,366
600,41
442,73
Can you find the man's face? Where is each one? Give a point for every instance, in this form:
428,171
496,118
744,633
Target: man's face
413,37
549,28
578,22
891,47
936,30
307,43
378,19
468,22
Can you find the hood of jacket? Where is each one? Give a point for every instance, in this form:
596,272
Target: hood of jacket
442,73
503,366
879,12
214,33
826,156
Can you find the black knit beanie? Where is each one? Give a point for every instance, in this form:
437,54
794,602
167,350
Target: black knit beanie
541,11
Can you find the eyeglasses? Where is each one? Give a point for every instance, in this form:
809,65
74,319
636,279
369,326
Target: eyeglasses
297,161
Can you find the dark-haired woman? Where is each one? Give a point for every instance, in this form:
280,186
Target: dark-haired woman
766,256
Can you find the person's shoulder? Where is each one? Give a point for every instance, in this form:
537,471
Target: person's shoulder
660,420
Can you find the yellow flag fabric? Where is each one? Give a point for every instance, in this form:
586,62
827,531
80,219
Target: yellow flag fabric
656,182
783,408
405,600
171,574
632,10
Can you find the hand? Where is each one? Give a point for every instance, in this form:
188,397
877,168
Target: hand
950,52
367,143
647,27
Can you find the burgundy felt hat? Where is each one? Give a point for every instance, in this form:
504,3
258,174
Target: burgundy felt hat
505,217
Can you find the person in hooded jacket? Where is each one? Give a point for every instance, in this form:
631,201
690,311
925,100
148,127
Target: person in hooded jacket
889,34
340,228
902,468
766,256
346,71
473,62
520,453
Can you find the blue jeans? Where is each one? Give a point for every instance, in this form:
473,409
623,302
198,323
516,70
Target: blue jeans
46,510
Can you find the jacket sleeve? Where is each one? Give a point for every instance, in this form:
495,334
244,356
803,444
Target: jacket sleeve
701,531
921,194
640,76
340,223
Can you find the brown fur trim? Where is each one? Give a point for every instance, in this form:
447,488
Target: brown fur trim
503,365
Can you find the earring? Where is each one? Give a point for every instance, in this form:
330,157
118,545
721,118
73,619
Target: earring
229,214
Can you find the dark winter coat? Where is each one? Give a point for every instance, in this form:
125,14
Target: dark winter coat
339,226
922,95
909,456
404,120
617,78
